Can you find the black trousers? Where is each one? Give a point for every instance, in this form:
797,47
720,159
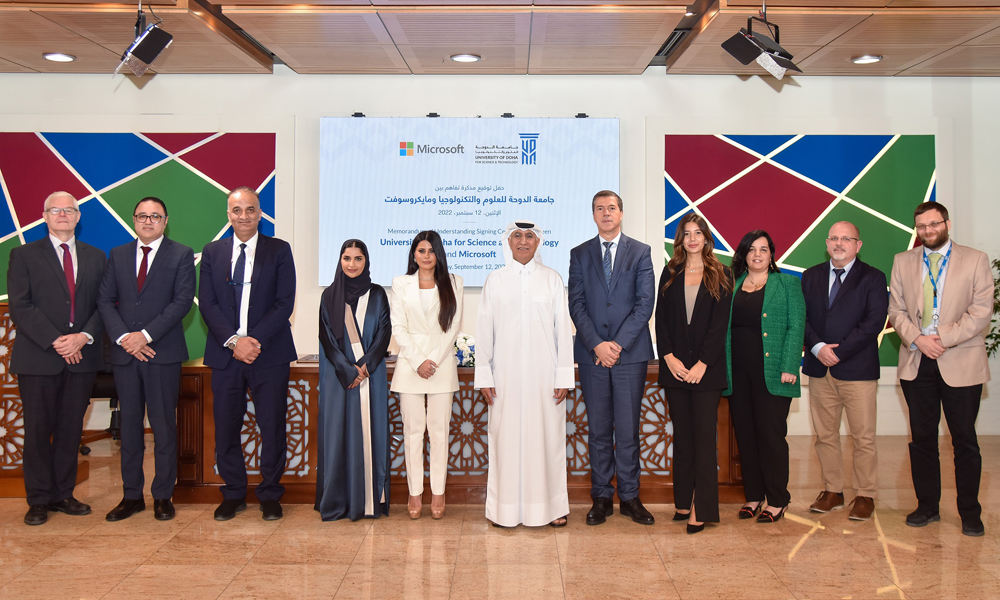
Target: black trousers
269,387
694,414
54,406
760,420
145,388
925,396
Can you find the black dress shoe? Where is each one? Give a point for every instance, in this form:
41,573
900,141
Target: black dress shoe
38,514
973,527
125,509
922,516
679,516
228,509
271,509
602,509
634,508
163,510
70,506
695,528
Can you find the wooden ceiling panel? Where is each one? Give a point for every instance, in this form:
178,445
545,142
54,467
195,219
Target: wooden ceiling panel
564,59
755,4
943,3
135,6
115,27
19,25
207,58
295,4
602,28
90,58
341,59
458,29
905,28
496,59
9,67
815,28
971,61
705,59
312,27
423,3
990,38
836,60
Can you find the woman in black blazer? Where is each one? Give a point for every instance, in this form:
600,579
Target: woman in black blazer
692,315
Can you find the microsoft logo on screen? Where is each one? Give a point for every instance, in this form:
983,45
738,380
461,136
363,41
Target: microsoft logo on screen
406,148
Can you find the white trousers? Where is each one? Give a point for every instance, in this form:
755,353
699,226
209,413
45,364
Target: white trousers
436,420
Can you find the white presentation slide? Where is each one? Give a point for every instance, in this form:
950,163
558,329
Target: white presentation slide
383,180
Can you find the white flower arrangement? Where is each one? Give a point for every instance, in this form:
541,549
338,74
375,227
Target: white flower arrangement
465,350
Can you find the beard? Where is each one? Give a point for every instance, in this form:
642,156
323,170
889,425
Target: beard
934,240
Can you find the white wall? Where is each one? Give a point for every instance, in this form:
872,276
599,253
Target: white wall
960,111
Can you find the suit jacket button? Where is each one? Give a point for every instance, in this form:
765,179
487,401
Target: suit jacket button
767,354
764,315
765,334
609,304
605,326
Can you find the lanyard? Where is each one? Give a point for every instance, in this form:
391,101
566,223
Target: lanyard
931,277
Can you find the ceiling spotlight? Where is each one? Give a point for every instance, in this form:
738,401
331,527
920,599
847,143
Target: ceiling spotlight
866,59
149,42
747,46
466,58
59,57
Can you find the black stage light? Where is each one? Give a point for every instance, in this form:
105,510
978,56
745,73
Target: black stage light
149,43
748,46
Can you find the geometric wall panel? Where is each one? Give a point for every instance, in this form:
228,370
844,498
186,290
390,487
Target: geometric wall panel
109,173
795,187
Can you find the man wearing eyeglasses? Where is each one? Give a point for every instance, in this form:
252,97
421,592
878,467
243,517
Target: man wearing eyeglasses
147,291
846,307
941,303
52,287
246,296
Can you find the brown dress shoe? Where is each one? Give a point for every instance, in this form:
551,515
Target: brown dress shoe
862,508
827,501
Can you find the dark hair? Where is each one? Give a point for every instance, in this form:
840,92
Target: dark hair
606,194
930,205
151,199
446,294
715,273
739,265
354,244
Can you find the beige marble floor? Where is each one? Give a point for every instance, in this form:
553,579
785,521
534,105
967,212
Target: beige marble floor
462,556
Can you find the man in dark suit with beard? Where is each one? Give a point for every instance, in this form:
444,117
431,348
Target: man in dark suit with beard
147,291
52,287
246,296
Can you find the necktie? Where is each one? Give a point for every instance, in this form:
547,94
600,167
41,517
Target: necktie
928,314
607,263
836,285
238,275
143,266
70,281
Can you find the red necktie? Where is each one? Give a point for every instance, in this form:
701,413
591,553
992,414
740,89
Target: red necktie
70,281
143,266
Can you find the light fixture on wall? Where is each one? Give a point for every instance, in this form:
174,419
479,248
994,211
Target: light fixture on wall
466,58
747,46
58,57
149,42
866,59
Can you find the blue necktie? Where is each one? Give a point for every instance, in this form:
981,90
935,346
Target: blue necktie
836,285
239,273
607,263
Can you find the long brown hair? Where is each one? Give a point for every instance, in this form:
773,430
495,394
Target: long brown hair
714,276
446,294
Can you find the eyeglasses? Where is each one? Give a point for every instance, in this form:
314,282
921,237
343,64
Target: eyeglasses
144,218
931,225
845,239
69,212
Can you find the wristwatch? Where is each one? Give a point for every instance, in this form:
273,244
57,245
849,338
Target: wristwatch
231,344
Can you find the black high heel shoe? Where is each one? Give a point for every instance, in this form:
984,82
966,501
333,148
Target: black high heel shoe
678,516
750,513
767,517
695,528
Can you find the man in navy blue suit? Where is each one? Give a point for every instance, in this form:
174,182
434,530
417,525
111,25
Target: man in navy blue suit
847,303
611,294
147,290
246,296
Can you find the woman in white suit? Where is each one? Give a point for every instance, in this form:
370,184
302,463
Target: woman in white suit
426,310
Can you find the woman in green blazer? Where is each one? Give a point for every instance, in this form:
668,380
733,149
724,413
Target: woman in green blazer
764,353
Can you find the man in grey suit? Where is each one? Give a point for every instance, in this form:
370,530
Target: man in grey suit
611,294
147,290
52,287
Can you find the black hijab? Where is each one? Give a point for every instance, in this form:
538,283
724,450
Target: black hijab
346,290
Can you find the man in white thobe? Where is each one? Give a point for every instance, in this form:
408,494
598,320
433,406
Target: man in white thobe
524,367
